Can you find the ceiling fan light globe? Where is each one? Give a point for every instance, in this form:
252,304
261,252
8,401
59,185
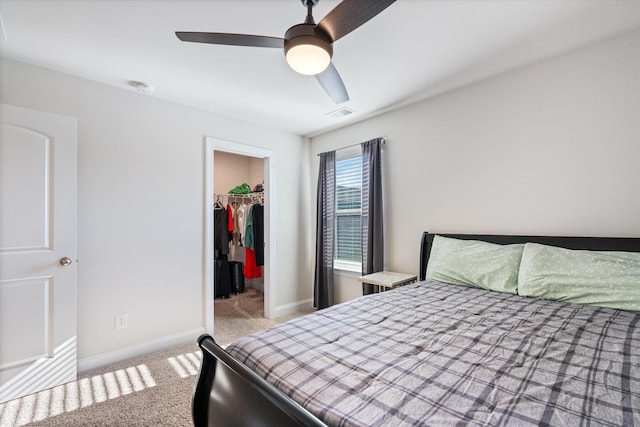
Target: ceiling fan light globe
308,59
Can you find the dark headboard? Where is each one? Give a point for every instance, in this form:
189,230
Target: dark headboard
589,243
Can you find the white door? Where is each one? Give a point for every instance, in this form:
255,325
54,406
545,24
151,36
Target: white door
37,251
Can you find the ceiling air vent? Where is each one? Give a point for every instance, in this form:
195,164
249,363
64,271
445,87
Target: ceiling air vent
344,111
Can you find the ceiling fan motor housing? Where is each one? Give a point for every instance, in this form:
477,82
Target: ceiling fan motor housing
307,34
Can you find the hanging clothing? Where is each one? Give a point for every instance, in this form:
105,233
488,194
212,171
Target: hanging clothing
240,218
235,236
251,270
229,219
258,233
221,238
236,251
222,278
248,234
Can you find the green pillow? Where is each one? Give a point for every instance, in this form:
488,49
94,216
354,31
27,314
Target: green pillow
475,263
607,279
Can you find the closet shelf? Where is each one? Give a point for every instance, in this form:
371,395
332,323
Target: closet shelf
250,197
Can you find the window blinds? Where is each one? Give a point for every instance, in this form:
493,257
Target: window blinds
349,209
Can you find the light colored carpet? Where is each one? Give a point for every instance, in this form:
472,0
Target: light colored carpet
243,314
151,390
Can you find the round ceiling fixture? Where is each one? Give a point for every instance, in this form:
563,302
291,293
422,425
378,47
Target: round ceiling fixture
308,59
308,49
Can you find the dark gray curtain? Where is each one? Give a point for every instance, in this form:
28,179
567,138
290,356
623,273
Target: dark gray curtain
372,226
323,282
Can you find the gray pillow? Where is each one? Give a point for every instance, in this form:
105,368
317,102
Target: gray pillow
475,263
608,279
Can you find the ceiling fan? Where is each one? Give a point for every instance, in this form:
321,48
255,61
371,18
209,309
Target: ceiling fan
308,47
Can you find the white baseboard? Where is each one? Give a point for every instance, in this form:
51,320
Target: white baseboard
293,307
108,357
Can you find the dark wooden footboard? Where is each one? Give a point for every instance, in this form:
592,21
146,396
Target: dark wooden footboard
230,394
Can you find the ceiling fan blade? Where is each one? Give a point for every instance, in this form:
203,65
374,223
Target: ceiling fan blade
350,14
332,83
231,39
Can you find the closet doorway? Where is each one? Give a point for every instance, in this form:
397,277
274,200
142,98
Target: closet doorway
254,156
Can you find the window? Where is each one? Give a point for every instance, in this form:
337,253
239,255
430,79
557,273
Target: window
348,228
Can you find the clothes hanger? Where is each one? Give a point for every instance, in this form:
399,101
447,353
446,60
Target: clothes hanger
218,204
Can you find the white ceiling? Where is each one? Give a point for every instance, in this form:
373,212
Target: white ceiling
412,50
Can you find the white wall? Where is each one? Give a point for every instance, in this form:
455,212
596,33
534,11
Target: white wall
256,171
552,148
141,210
232,170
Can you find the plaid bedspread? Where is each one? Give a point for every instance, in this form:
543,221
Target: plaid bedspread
442,355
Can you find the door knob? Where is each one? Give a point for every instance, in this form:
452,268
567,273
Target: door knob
65,261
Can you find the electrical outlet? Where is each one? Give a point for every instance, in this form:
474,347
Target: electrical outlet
121,321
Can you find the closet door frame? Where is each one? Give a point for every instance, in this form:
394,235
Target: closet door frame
268,156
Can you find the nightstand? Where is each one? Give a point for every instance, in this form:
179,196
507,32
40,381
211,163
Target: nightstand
387,279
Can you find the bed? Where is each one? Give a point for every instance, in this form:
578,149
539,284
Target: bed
434,353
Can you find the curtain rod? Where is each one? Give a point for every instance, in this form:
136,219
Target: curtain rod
384,141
